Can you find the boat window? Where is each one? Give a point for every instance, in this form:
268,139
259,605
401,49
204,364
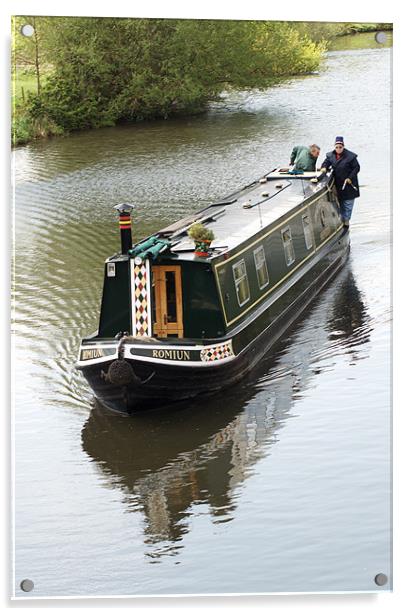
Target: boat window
323,217
241,282
154,295
331,194
261,268
288,245
307,230
171,296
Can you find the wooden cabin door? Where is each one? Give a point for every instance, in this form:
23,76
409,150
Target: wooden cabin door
167,294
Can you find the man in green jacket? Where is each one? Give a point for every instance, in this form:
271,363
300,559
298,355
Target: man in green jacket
304,158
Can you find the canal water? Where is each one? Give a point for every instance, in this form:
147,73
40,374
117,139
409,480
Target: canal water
280,484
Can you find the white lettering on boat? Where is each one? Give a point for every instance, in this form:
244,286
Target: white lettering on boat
91,354
171,354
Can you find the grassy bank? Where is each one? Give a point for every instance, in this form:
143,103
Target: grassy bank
351,28
24,127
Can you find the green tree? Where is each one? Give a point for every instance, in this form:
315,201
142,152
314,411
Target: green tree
109,70
30,53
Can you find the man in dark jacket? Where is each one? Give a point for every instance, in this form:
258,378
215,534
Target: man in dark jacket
345,169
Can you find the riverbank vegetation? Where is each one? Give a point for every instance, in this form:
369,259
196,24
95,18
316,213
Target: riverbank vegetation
78,73
327,31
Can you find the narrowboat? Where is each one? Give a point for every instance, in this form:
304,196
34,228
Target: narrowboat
178,321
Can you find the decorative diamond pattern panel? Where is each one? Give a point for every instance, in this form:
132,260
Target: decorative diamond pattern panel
221,351
141,299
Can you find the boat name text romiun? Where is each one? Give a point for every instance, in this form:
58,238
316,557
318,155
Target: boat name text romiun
91,354
171,354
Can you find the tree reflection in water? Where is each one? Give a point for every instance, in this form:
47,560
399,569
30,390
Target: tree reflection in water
171,464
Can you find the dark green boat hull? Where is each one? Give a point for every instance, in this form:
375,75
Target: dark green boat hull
123,380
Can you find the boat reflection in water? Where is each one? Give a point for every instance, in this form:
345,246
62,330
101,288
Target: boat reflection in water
167,461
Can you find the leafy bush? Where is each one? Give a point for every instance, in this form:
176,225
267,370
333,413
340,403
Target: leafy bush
97,72
25,127
108,70
198,232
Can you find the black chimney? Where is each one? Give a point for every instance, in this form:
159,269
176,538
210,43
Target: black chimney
124,210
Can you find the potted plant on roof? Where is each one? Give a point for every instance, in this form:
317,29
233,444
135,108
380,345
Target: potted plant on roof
202,237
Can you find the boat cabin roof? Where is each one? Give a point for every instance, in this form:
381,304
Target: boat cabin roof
243,214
